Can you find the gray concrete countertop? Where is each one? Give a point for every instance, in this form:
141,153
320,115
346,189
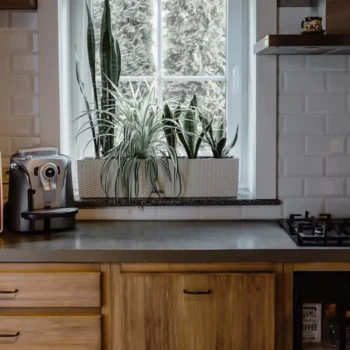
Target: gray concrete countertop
185,242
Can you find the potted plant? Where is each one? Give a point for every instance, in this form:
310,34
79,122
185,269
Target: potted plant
140,163
215,176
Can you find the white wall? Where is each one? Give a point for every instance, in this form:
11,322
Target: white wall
19,82
314,128
313,138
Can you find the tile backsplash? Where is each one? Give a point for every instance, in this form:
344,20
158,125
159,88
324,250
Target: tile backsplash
19,71
313,137
314,128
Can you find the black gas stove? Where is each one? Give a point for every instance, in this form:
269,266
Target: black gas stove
321,231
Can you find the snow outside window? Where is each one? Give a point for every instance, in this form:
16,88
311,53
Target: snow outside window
192,46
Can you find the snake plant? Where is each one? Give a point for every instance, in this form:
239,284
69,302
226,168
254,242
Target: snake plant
216,137
103,132
183,123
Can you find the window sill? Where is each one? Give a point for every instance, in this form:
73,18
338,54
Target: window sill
244,198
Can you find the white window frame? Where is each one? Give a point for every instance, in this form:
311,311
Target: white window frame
55,97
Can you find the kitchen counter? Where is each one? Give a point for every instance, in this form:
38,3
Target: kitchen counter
171,242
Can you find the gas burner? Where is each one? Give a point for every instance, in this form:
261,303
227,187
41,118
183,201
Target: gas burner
322,231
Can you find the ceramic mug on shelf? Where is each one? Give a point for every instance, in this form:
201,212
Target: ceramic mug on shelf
312,25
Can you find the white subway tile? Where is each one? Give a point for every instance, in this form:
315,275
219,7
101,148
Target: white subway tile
338,207
25,63
290,187
4,23
303,166
220,213
291,103
36,86
24,142
338,166
16,126
13,41
24,20
325,145
305,124
338,124
178,213
348,186
35,42
291,63
280,166
36,129
20,84
315,206
280,125
25,105
291,145
5,60
304,82
5,146
5,105
325,186
326,103
261,212
338,82
289,18
118,213
281,81
326,63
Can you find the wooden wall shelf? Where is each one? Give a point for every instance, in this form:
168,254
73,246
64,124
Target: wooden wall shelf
303,45
18,4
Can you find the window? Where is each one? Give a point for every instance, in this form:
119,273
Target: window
191,46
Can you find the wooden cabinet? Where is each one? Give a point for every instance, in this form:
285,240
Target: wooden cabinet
18,4
55,332
51,306
55,289
197,311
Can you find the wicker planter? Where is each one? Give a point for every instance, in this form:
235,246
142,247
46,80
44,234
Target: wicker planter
202,177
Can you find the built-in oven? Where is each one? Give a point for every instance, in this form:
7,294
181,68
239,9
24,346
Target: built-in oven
321,311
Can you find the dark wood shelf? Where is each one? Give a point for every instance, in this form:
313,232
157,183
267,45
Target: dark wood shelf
18,4
303,45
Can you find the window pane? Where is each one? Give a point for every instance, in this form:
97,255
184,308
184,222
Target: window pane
133,26
194,37
211,95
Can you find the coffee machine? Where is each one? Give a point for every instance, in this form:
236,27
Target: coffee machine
40,191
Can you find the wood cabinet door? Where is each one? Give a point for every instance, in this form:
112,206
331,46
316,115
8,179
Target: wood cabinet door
197,311
50,332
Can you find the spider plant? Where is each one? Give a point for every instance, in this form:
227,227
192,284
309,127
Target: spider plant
216,136
183,123
103,135
139,141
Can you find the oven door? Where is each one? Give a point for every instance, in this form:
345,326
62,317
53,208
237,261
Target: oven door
321,304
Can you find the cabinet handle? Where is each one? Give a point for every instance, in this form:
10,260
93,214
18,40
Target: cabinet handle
14,335
9,291
197,293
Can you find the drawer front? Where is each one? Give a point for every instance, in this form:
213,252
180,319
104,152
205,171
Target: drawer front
50,332
52,289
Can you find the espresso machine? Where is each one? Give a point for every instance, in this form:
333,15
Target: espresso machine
40,191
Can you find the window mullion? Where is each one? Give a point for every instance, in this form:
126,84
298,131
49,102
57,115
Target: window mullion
159,50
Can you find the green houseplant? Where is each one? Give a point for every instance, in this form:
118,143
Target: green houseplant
103,132
202,176
141,162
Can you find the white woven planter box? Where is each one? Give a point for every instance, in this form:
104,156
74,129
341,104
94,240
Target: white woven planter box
203,177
